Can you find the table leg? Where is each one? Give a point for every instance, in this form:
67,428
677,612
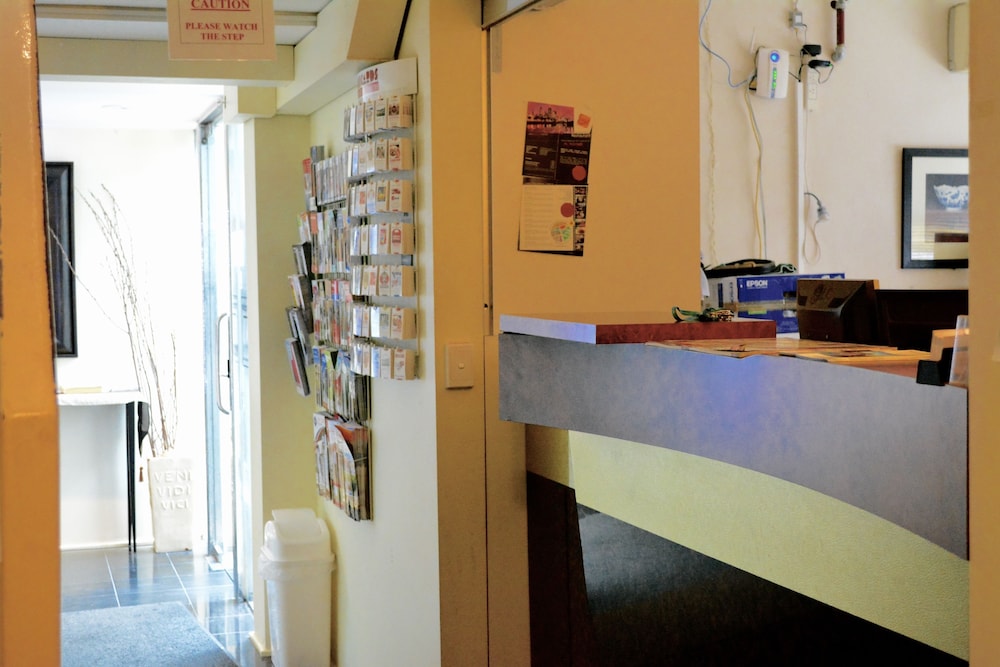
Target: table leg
130,431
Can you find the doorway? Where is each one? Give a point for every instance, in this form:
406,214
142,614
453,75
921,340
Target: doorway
142,144
227,441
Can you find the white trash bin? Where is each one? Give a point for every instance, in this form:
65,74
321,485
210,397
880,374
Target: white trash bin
296,564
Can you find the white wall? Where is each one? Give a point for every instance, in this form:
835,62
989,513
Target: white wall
398,549
153,175
418,570
891,90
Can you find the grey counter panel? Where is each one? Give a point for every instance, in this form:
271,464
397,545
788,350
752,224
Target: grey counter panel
878,441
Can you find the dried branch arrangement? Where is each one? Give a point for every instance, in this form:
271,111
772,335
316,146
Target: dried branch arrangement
154,358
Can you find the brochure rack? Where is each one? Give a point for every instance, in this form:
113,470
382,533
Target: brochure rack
355,317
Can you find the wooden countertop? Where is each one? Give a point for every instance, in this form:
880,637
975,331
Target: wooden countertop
630,327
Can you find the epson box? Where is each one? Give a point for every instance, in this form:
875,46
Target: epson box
778,288
769,297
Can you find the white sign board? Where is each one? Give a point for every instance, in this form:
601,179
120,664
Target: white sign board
394,77
221,29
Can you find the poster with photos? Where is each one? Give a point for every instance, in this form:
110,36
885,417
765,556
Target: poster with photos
555,171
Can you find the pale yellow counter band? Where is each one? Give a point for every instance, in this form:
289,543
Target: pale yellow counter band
783,532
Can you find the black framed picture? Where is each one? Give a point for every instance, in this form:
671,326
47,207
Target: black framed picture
935,208
62,282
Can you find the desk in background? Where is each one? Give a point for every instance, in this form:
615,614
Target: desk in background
134,432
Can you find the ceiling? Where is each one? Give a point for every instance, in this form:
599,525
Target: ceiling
147,19
120,106
98,104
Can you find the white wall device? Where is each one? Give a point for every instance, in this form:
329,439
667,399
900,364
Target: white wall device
958,37
772,73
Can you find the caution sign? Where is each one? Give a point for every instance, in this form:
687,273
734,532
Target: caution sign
221,29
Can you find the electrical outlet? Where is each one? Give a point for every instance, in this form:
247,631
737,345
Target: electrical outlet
458,366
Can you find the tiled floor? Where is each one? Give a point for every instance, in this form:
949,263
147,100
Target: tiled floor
96,578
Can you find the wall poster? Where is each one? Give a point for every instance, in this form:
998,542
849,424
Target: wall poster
554,174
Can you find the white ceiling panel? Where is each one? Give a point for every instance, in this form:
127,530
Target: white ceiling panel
114,105
87,104
146,19
311,6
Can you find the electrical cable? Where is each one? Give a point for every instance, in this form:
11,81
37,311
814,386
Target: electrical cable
759,210
402,28
759,207
729,70
805,251
822,215
808,191
803,39
712,251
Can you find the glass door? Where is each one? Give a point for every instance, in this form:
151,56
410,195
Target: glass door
227,444
240,366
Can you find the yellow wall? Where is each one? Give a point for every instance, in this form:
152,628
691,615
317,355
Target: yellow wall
398,550
429,439
283,463
641,249
428,534
984,377
454,270
29,467
636,71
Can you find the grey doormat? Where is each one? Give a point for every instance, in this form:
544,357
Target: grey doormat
161,635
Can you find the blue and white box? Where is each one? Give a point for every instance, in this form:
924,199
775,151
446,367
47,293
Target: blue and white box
777,287
770,296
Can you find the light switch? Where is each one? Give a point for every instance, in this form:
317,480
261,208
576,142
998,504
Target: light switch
458,366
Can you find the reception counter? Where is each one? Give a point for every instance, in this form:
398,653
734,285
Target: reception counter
845,484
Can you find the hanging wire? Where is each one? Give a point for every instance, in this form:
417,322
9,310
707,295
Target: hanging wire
803,27
803,39
710,125
805,180
805,244
822,215
759,213
729,70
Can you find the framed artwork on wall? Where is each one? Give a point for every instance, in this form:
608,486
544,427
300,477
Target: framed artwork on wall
935,199
62,283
